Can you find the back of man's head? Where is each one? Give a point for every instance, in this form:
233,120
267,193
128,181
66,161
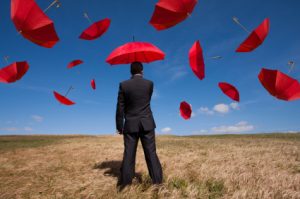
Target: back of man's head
136,68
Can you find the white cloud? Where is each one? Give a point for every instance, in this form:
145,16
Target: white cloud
166,130
221,108
9,129
234,106
240,127
202,131
177,72
14,129
28,128
205,110
37,118
218,108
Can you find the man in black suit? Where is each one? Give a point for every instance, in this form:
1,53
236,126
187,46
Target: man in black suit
133,106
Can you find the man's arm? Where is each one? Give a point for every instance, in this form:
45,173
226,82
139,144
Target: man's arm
151,90
120,110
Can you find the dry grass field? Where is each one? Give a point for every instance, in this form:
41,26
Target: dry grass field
229,166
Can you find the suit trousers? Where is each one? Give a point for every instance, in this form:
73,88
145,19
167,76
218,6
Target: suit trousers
149,147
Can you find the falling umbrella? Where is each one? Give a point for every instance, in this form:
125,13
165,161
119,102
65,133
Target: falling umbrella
279,84
256,37
230,91
13,72
33,23
196,60
96,29
63,99
168,13
74,63
185,110
135,51
93,84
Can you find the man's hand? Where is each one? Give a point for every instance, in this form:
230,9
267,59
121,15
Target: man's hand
119,132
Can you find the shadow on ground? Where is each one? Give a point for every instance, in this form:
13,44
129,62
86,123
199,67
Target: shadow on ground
112,168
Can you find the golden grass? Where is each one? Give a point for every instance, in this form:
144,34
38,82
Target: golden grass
194,167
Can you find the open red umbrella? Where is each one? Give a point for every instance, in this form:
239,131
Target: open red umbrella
93,84
256,38
62,99
95,30
185,110
168,13
230,91
13,72
279,84
74,63
135,51
196,60
33,23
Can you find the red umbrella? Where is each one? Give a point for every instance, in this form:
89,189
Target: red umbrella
135,51
279,84
62,99
74,63
185,110
256,38
33,23
95,30
230,91
13,72
168,13
197,60
93,84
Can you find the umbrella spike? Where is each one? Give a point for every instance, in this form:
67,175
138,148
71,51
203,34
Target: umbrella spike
236,20
55,2
85,15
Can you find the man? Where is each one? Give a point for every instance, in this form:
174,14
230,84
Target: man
133,105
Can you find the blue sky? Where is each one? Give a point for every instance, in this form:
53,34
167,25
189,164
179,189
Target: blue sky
28,106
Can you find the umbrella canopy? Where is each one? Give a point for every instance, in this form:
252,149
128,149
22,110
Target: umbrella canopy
279,84
74,63
33,23
95,30
196,60
62,99
93,84
230,91
256,38
13,72
168,13
185,110
135,51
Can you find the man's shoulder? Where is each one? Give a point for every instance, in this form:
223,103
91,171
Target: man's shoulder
129,81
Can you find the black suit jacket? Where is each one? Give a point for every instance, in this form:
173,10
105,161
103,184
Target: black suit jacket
133,105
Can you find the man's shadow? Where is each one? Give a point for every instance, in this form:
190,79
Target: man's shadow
112,168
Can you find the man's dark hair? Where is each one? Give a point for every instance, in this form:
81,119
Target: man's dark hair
136,68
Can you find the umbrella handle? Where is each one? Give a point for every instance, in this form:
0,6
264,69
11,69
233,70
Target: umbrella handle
236,20
57,2
216,57
85,15
71,87
291,65
6,59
